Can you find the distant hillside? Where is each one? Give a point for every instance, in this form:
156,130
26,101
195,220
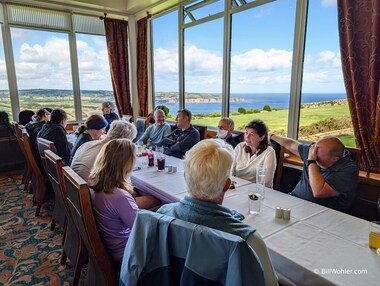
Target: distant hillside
191,97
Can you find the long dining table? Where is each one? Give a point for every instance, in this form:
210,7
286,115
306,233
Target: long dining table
316,246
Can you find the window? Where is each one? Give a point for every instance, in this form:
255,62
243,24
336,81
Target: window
202,9
94,73
43,70
165,61
324,110
261,63
204,70
5,103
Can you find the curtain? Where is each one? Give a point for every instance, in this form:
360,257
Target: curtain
117,46
359,35
142,66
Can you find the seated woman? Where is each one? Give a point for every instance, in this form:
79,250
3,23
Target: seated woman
38,120
93,129
255,151
114,201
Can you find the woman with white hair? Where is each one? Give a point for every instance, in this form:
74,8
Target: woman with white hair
84,157
114,201
207,169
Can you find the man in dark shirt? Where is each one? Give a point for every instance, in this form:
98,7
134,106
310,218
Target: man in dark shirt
109,115
183,138
329,176
225,128
54,130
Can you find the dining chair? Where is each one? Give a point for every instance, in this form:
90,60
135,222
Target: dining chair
140,123
27,175
128,118
73,246
40,186
44,144
163,248
100,269
202,131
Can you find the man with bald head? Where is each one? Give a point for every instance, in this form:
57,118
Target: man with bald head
329,176
156,131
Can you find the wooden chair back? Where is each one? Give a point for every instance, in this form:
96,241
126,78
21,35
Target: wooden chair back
100,270
38,181
73,246
202,130
19,129
44,144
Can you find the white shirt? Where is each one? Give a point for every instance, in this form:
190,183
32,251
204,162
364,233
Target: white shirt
84,158
244,165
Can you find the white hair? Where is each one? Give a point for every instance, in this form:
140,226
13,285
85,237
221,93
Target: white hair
207,167
122,129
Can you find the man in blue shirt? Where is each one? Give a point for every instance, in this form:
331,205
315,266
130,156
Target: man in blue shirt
183,138
329,176
156,131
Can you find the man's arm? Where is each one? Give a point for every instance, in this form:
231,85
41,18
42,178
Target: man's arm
192,138
288,143
168,141
320,188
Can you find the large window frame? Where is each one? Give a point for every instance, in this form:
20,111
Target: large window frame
60,21
231,8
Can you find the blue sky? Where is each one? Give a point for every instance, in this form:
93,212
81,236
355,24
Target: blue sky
261,53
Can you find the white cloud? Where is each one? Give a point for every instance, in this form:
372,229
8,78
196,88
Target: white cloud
48,65
199,61
322,77
329,3
260,60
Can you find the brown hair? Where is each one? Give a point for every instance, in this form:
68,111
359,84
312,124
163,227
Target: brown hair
113,166
262,130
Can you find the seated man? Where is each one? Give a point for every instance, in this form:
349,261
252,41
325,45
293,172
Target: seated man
156,131
183,138
108,114
85,156
54,130
328,177
207,169
225,128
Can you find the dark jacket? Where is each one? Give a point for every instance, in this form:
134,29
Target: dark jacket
110,117
57,134
33,128
178,142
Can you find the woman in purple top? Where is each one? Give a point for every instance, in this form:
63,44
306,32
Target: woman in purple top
114,201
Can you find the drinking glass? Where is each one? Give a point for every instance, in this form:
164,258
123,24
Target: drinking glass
254,203
260,180
374,235
160,162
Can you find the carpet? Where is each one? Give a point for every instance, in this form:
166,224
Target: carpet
29,252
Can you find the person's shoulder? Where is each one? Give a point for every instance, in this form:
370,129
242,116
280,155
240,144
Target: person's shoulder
166,209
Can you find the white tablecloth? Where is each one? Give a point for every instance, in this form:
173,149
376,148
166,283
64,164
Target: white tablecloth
317,246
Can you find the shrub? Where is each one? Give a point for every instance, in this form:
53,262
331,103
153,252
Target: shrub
242,110
267,108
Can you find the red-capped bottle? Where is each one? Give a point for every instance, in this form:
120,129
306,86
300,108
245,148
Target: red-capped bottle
151,159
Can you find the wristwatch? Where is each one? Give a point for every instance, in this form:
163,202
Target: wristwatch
309,162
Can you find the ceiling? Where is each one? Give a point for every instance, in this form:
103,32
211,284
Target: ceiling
123,8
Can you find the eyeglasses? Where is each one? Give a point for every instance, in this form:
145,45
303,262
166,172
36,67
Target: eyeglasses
161,117
222,128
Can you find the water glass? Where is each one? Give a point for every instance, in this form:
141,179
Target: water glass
374,235
254,203
260,180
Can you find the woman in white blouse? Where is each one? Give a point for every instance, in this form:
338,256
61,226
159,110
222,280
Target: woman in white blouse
255,151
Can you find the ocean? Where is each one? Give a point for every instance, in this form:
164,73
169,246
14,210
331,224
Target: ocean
257,101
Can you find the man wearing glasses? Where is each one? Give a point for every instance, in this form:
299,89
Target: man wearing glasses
225,128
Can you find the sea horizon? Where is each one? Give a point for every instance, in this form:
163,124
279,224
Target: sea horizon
256,101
